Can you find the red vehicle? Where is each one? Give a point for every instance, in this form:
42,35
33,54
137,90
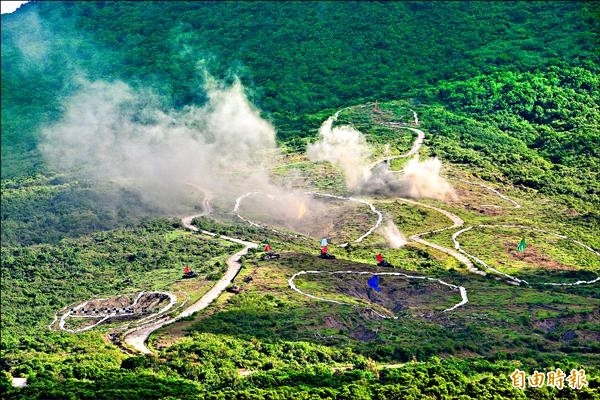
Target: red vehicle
188,273
324,254
381,262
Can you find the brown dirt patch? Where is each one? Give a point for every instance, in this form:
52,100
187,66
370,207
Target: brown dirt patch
489,211
549,325
364,334
478,199
331,322
398,294
589,336
532,256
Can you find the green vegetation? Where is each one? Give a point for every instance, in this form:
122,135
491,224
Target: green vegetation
512,98
40,280
42,209
538,129
562,260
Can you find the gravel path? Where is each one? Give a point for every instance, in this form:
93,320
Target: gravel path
462,290
137,337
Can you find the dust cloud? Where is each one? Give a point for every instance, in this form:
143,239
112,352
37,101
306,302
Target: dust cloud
111,132
392,234
347,148
344,147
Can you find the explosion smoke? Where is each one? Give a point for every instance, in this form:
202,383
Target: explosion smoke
392,235
301,210
113,133
422,179
418,179
344,147
347,148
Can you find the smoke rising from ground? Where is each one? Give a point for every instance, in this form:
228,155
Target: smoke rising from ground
392,234
344,147
348,149
421,179
418,179
31,39
298,212
111,132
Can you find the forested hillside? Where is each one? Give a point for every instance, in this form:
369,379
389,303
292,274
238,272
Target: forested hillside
526,71
540,129
505,94
295,58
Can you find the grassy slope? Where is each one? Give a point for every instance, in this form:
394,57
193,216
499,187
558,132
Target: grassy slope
531,325
301,58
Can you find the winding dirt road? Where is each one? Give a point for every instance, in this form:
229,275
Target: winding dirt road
363,201
414,150
238,201
236,211
514,278
457,222
137,337
497,193
462,290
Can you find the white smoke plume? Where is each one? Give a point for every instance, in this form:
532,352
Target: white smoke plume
393,235
111,132
31,39
418,179
297,212
423,179
348,149
344,147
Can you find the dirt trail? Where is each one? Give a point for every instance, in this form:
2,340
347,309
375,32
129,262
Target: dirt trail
457,222
497,193
363,201
238,201
514,279
414,150
462,290
137,337
416,146
236,211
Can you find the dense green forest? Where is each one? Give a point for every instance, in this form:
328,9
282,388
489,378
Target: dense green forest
508,73
540,129
39,209
295,58
509,91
